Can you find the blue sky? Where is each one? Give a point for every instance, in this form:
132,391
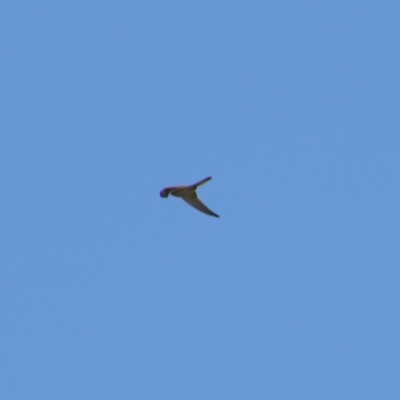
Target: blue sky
108,291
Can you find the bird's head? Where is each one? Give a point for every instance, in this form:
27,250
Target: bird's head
164,193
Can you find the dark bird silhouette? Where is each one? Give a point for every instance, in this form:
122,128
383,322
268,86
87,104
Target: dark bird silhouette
189,194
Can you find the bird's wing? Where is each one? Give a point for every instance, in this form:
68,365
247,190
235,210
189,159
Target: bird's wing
202,182
195,202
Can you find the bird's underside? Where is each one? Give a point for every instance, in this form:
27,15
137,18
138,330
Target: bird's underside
189,194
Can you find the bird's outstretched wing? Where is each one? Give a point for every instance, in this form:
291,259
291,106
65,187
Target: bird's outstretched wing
202,182
195,202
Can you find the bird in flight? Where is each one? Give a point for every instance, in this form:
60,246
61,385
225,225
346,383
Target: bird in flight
189,194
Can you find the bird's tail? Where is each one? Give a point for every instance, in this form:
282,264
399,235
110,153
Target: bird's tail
202,182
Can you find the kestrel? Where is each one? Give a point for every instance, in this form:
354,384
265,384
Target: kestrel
188,193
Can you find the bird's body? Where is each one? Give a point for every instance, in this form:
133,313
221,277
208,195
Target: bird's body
189,194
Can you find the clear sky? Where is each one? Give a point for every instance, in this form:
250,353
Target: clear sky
108,291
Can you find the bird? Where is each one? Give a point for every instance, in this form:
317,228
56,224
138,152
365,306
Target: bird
189,194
